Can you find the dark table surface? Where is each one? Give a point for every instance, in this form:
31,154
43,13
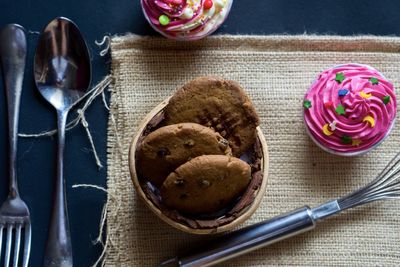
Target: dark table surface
36,157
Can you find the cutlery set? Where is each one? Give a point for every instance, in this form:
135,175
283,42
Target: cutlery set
62,72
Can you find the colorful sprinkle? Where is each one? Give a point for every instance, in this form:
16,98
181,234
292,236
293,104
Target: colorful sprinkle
325,130
339,77
374,80
332,125
370,120
343,92
356,142
187,13
328,104
307,104
386,99
347,139
365,95
208,4
164,20
340,110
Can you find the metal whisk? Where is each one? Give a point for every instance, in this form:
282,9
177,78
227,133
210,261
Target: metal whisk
385,186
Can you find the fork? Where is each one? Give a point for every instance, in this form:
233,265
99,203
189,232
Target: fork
14,213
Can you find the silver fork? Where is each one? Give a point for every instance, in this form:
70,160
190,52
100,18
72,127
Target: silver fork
14,214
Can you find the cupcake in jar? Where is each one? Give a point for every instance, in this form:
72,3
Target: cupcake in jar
350,109
186,19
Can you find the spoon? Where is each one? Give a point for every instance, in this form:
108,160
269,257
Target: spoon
62,71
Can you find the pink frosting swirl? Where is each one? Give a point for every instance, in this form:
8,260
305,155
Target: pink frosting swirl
349,109
156,8
187,19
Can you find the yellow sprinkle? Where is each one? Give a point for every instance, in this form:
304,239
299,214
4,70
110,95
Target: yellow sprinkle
355,142
326,131
365,95
370,120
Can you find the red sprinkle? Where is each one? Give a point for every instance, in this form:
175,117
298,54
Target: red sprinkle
208,4
328,104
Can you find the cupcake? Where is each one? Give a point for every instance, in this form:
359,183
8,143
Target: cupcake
349,109
186,19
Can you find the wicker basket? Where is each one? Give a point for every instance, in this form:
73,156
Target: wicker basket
224,222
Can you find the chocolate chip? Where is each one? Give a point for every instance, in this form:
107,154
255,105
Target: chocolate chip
183,196
189,143
162,152
180,182
205,183
223,142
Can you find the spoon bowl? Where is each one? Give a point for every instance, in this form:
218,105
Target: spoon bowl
62,72
62,64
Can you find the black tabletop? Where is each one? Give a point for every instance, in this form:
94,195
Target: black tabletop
36,157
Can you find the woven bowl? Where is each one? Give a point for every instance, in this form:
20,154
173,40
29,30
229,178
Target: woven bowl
240,211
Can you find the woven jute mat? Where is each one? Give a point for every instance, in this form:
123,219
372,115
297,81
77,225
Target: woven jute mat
276,72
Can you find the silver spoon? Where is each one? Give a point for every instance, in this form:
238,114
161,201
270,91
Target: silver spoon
62,72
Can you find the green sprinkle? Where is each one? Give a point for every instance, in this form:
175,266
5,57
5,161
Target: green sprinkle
339,77
386,99
307,104
374,80
340,110
164,20
347,139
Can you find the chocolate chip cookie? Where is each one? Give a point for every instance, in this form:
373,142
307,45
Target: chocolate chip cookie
205,184
163,150
220,104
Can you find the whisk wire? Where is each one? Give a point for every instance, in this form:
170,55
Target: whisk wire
385,185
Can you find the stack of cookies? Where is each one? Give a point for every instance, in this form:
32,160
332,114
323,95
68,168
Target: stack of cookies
191,156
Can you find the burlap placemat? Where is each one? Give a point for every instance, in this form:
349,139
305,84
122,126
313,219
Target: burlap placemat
276,71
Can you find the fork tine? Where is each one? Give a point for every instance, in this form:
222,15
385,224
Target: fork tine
27,245
17,244
9,228
1,238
